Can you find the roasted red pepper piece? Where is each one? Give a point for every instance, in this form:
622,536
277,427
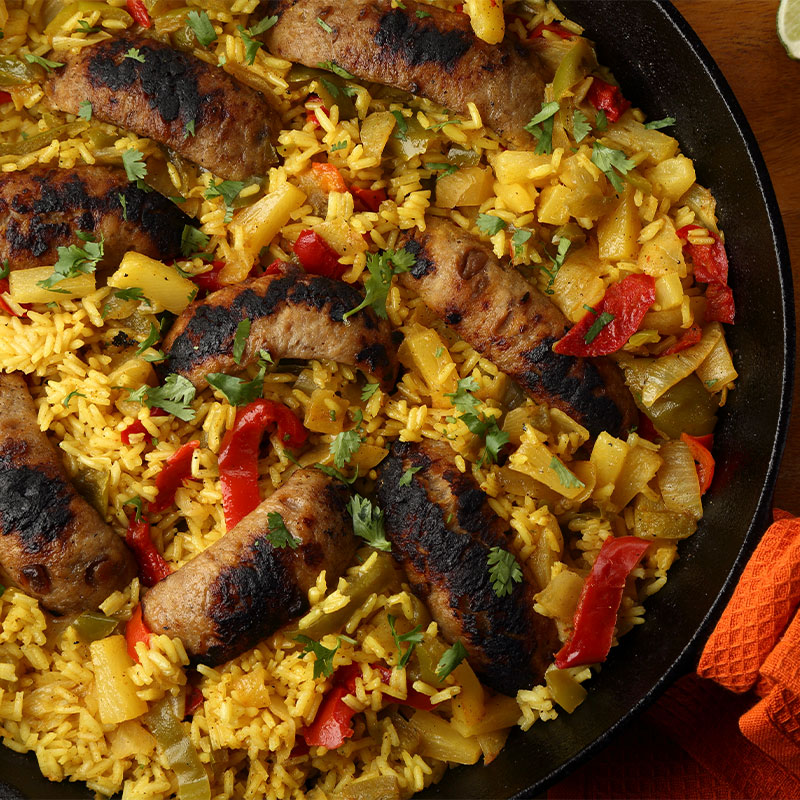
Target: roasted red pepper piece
691,337
317,256
276,267
176,470
721,307
194,699
593,628
328,177
553,28
332,725
136,631
238,454
209,281
138,10
152,566
5,97
367,199
700,448
605,97
628,302
313,102
138,426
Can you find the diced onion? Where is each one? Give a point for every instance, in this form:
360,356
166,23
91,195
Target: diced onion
717,371
678,480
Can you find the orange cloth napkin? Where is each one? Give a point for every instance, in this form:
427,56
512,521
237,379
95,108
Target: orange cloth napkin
732,730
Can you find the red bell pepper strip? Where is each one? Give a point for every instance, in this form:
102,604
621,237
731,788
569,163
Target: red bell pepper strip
136,630
317,256
593,627
332,725
700,448
605,97
414,698
138,10
238,454
152,566
627,302
691,337
276,267
138,426
367,199
194,699
553,28
5,97
209,281
176,470
312,103
328,177
721,307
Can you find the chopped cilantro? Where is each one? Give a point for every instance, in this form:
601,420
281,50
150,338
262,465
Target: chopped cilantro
333,67
188,128
136,502
450,659
541,127
251,46
490,224
382,267
332,472
413,638
518,240
601,120
580,126
344,446
658,124
133,161
6,268
43,62
279,535
484,426
124,205
338,146
135,55
155,357
152,338
193,241
368,522
85,110
202,27
66,401
402,125
439,351
565,477
238,391
323,656
74,260
443,167
597,326
228,191
405,478
612,162
83,27
264,25
558,261
174,396
324,25
504,571
422,14
240,340
368,390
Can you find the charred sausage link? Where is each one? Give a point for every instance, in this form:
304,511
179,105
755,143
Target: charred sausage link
292,315
514,325
442,530
434,54
44,208
53,544
176,99
242,588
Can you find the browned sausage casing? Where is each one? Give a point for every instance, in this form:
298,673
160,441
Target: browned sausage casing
242,589
514,325
43,208
442,529
53,544
292,315
436,56
163,94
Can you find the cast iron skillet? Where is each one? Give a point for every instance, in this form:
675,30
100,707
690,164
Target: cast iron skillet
665,70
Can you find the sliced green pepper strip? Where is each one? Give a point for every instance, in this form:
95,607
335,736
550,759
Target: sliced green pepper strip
299,75
412,141
15,72
86,7
92,625
33,143
572,67
685,408
180,753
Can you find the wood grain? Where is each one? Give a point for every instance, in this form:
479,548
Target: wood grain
741,36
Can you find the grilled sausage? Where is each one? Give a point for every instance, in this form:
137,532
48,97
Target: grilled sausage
442,529
43,208
293,315
514,325
53,544
242,589
436,56
194,108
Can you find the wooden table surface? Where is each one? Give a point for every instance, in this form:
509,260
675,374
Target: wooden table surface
740,35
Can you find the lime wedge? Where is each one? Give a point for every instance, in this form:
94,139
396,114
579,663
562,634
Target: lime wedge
789,26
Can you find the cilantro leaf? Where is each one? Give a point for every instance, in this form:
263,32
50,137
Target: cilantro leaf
518,240
155,357
188,128
597,326
402,125
413,637
368,390
85,110
422,14
228,191
193,241
83,27
489,224
504,571
339,146
5,269
174,396
240,340
238,391
612,162
443,167
324,25
368,522
405,478
558,261
565,477
152,338
263,26
133,161
251,46
344,446
66,401
461,399
450,659
541,127
43,62
580,125
334,473
382,267
323,656
484,425
601,120
333,67
136,502
658,124
202,27
135,55
75,260
279,535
